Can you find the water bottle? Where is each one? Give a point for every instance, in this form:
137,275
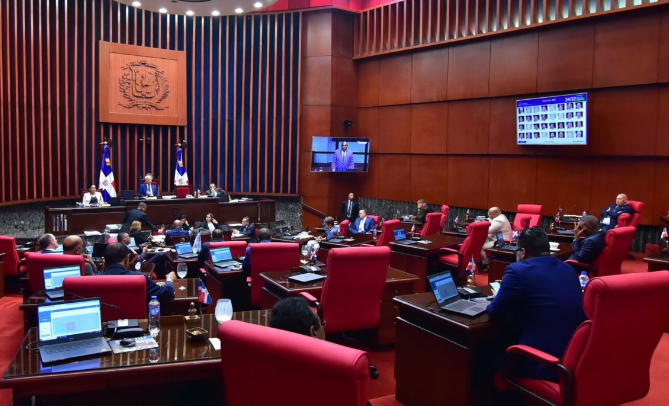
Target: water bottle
584,279
374,233
154,316
584,213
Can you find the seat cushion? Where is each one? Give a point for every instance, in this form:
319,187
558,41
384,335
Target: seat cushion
450,259
546,389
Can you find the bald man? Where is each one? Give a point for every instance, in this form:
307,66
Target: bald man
610,215
498,223
74,245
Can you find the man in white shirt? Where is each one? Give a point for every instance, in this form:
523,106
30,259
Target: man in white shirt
92,197
498,222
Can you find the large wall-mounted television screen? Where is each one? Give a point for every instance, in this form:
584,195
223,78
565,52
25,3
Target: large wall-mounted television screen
553,120
339,154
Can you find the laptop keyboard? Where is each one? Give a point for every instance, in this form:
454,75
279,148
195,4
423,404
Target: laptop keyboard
460,305
77,345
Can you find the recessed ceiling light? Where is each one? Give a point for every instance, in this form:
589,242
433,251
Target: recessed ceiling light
215,13
163,10
190,13
239,10
257,4
136,4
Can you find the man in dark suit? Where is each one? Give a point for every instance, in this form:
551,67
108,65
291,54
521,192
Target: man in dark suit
423,211
215,191
140,256
342,159
177,230
349,208
593,244
610,214
247,229
203,255
47,244
265,236
138,214
542,296
148,189
363,224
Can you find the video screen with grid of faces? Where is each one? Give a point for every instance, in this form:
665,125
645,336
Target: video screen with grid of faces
553,120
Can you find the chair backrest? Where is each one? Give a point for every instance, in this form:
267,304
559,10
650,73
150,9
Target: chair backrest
610,354
205,237
531,210
477,233
352,292
128,292
182,191
638,210
11,257
343,227
624,220
327,374
444,211
618,244
387,236
431,227
36,262
521,222
237,248
180,240
268,257
375,218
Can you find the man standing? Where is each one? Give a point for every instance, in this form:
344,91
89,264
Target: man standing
138,214
342,160
363,225
588,250
498,223
542,295
349,207
611,214
74,245
423,211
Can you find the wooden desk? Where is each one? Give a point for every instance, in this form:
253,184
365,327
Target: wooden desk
300,241
358,239
656,264
416,258
441,358
500,259
219,279
277,287
178,359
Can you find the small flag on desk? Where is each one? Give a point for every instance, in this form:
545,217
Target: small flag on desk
457,220
515,234
180,175
664,233
197,244
413,228
471,267
204,296
107,184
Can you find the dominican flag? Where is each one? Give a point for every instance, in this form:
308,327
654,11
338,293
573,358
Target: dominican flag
515,234
180,175
107,185
457,220
471,267
664,233
203,296
197,245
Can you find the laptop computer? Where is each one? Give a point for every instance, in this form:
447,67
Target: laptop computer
222,257
448,298
184,250
114,201
98,251
53,280
401,237
68,330
127,194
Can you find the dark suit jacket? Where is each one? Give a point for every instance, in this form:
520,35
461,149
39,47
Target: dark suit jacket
219,192
164,293
136,215
422,214
543,297
370,224
354,211
249,231
175,232
139,238
143,190
588,250
613,212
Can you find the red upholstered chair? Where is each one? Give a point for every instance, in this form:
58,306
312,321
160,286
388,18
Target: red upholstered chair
638,210
387,236
128,292
348,307
11,257
521,222
457,259
182,191
531,210
608,359
432,224
180,240
624,220
205,238
376,219
444,211
36,262
237,248
268,257
319,372
618,243
343,227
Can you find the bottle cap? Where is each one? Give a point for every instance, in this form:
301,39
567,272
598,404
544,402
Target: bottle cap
154,297
584,273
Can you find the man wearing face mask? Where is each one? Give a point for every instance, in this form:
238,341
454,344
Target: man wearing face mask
541,295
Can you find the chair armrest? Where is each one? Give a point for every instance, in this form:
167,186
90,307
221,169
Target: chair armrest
446,250
203,271
309,297
577,265
533,353
367,245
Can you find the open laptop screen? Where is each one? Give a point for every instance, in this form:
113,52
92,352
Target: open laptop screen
184,248
53,277
221,254
399,234
443,286
61,320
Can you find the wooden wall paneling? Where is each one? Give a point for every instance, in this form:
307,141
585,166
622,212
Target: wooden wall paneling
513,64
395,80
344,28
623,121
429,75
317,81
620,43
368,83
393,176
468,70
428,128
636,178
310,219
663,65
566,57
339,114
368,119
312,184
318,28
661,197
345,84
394,136
468,181
3,100
315,122
502,133
506,191
662,143
563,182
429,178
468,127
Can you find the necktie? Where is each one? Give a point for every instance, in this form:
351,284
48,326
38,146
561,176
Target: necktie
150,190
348,212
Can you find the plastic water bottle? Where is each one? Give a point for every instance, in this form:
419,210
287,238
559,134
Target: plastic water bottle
374,233
584,213
584,279
154,316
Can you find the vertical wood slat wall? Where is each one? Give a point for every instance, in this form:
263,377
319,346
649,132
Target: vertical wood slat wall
409,24
242,99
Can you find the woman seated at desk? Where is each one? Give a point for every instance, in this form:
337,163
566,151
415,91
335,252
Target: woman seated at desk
209,223
92,197
136,233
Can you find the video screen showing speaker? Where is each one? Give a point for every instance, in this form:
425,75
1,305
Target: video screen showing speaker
339,154
553,120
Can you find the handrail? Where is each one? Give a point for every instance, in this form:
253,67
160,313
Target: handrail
313,210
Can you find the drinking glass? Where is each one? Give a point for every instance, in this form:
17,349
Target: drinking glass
305,250
182,270
223,310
